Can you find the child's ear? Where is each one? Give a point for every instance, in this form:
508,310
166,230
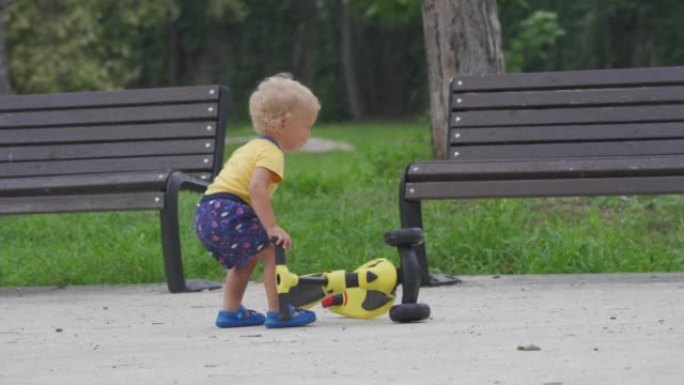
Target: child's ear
281,122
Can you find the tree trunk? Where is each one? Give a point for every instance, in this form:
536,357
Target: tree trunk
305,13
5,85
351,79
461,37
174,53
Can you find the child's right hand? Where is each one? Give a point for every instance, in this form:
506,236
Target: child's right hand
283,237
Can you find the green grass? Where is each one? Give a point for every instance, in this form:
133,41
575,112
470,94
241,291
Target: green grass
337,206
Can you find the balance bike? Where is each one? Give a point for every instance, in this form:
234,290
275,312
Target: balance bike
367,292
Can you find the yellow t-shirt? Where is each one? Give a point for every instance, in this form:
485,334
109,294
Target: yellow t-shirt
236,174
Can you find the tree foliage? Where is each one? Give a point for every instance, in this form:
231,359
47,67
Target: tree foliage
537,36
586,34
72,45
77,46
5,85
88,45
387,12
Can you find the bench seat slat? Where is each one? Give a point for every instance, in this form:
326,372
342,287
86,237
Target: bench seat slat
106,150
180,112
576,98
568,116
545,187
81,202
528,169
567,133
106,133
571,79
189,163
192,94
63,184
569,150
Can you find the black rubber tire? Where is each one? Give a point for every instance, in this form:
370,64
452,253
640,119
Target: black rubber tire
408,236
409,312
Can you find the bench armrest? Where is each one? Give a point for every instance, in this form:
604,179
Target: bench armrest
173,264
182,181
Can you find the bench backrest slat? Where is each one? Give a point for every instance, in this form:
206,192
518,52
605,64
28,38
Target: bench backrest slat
572,150
630,112
189,163
113,115
101,132
106,133
615,78
531,117
562,98
568,133
107,150
104,183
73,203
194,94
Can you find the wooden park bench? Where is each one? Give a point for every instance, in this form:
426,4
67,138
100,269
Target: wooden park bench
576,133
106,151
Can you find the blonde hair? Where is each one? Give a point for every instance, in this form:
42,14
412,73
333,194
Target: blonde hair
277,97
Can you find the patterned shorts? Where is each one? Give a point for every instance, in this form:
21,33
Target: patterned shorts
230,230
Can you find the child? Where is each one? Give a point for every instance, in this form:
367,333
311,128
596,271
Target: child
235,219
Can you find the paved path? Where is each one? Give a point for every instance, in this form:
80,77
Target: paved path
591,329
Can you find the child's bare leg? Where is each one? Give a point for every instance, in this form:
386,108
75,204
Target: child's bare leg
268,256
235,285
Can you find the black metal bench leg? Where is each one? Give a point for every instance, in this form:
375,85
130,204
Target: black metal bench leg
410,213
171,246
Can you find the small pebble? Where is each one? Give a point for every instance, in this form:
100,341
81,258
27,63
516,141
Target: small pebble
529,348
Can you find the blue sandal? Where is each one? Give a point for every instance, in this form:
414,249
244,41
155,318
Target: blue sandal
304,317
241,317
